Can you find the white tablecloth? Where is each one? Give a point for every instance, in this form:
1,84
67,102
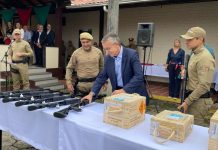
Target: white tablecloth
159,71
156,70
38,128
89,132
86,131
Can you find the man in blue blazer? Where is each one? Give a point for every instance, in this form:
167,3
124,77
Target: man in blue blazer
122,67
38,41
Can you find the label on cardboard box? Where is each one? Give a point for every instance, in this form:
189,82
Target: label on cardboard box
120,98
213,130
175,116
113,105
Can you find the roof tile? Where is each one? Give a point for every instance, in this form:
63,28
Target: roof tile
87,2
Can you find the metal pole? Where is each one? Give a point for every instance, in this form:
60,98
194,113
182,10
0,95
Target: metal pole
0,139
6,67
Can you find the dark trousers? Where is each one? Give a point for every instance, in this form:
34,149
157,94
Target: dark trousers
39,55
174,81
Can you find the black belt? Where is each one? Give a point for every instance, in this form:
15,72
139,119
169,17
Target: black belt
19,61
174,63
86,79
206,95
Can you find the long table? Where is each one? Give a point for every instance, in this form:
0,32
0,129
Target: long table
37,128
86,131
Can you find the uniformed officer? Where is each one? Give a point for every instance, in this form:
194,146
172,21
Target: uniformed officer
19,52
132,43
201,68
87,62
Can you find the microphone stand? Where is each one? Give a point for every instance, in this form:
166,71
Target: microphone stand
6,65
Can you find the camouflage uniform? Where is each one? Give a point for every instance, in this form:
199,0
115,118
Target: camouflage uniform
19,69
200,76
87,64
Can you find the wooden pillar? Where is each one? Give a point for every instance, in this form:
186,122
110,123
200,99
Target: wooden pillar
101,25
112,25
113,16
58,37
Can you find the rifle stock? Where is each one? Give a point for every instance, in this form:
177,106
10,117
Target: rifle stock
76,107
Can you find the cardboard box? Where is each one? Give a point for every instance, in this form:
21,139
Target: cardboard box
124,110
213,132
171,125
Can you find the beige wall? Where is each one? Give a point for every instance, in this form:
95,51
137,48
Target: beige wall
77,21
3,49
170,21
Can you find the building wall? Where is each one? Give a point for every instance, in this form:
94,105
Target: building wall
170,21
77,21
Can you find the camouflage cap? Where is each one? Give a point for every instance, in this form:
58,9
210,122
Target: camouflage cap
86,35
194,32
131,39
17,31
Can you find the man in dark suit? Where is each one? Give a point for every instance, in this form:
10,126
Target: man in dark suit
38,41
122,67
50,37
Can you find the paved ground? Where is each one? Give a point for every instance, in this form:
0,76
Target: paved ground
11,143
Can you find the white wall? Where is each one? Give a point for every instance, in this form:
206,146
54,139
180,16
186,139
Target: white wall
170,21
3,49
81,20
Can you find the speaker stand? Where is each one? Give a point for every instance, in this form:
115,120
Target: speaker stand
145,77
144,72
144,57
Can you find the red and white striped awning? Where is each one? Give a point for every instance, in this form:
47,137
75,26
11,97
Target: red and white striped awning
95,3
87,2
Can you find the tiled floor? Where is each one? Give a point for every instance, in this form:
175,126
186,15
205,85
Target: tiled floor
162,90
158,88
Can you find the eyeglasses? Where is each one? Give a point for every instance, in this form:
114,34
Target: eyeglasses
108,48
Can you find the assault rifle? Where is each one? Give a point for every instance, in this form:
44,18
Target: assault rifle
42,100
23,92
68,101
185,78
29,97
75,107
